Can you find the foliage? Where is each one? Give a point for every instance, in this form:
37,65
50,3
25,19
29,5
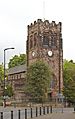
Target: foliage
1,72
38,79
17,60
69,80
9,91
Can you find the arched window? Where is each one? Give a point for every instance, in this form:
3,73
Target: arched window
53,41
53,82
46,40
35,39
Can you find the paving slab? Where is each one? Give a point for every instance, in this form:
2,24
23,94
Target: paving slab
57,116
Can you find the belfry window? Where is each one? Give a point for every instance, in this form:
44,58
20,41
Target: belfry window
53,41
46,40
35,39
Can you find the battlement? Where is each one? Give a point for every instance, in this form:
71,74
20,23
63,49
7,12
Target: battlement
46,22
35,22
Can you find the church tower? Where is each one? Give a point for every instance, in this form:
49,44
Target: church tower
44,41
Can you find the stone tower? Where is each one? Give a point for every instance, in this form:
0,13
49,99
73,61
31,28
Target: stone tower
44,41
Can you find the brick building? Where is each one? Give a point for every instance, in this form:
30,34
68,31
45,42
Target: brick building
16,78
44,41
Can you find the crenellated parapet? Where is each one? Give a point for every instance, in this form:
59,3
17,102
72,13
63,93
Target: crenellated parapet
40,29
45,25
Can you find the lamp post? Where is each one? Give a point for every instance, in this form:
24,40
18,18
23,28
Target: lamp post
4,75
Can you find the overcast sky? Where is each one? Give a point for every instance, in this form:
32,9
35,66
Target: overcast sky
15,15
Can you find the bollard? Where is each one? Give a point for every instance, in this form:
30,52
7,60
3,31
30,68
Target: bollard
51,109
36,111
62,109
1,115
40,110
47,109
74,108
25,113
44,110
11,114
31,113
18,114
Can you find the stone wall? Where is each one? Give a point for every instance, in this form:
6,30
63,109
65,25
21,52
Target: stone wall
48,40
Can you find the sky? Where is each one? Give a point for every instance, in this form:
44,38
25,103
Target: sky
15,15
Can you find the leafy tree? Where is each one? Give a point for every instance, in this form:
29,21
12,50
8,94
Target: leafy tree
17,60
38,80
69,80
9,91
1,72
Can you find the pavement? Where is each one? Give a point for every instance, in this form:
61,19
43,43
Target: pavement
57,116
58,113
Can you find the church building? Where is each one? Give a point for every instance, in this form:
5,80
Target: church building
44,41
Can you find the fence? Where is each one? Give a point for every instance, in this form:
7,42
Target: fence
29,113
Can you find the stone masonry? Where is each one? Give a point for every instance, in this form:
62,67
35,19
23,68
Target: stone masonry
44,41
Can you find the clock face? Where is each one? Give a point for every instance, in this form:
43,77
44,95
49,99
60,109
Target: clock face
33,54
50,53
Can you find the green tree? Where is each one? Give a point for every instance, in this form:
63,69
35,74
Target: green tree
1,72
9,90
17,60
69,80
38,80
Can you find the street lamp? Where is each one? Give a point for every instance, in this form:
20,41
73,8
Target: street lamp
4,75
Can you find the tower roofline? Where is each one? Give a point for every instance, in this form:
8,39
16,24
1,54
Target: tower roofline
39,21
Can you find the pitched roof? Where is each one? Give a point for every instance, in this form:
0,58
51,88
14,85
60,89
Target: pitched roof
17,69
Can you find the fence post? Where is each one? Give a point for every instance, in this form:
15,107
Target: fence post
25,113
31,113
40,110
44,110
36,111
1,115
51,109
18,114
11,114
47,109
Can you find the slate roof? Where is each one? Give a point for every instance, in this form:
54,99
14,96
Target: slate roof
17,69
